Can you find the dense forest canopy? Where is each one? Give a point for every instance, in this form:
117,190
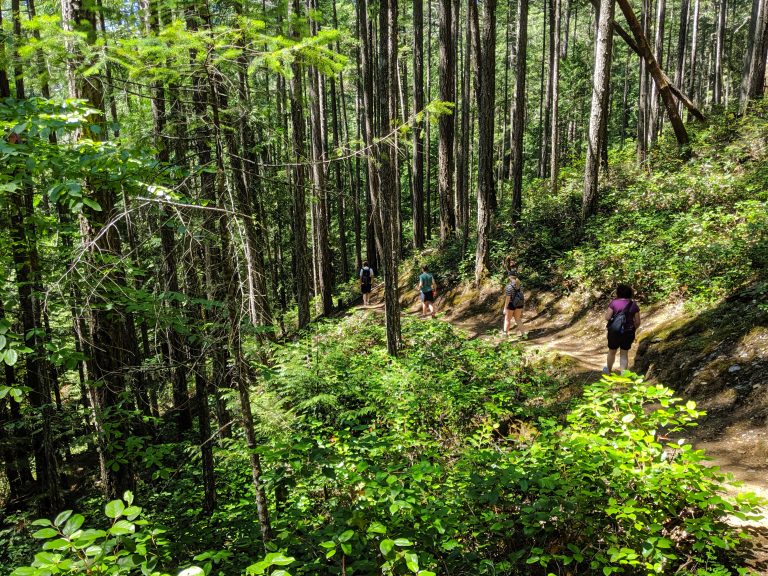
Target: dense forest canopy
188,187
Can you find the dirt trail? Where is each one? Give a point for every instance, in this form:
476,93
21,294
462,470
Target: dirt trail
563,329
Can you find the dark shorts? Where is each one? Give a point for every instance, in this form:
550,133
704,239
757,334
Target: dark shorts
510,307
365,289
623,341
428,296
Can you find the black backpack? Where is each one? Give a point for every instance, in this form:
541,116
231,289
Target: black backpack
619,320
516,300
366,277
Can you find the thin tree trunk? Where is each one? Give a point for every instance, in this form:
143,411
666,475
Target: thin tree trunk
447,72
682,41
600,86
642,106
653,125
518,114
417,198
717,93
694,50
554,168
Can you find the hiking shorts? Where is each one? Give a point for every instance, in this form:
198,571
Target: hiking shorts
428,296
365,288
511,307
623,341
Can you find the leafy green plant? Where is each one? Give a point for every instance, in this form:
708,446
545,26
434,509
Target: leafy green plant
127,546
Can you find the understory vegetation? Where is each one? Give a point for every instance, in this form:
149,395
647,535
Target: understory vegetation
692,230
459,457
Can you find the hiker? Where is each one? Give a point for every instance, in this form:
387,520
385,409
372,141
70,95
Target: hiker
514,301
623,321
366,282
427,290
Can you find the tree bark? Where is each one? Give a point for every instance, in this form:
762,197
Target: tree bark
107,319
300,252
717,92
658,76
653,124
554,139
485,87
518,114
600,86
447,72
417,197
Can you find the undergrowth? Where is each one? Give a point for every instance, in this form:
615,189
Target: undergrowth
458,457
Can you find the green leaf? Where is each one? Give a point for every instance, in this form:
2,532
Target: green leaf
10,356
192,571
92,204
122,527
377,528
346,547
412,561
628,418
386,546
346,536
114,509
62,517
45,533
73,524
402,542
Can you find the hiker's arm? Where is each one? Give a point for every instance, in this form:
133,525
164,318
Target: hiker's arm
637,321
506,303
608,314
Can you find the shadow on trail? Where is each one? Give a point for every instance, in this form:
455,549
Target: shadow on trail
719,358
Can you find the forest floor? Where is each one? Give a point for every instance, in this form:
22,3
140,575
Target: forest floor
570,332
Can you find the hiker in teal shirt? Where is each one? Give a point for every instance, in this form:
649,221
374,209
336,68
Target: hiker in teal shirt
427,291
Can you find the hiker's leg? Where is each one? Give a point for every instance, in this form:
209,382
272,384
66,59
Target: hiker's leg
610,360
624,360
507,320
518,314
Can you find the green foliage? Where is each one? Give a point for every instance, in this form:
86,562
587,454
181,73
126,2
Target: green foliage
128,545
450,459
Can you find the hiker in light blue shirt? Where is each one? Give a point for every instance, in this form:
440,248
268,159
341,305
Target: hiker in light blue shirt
427,291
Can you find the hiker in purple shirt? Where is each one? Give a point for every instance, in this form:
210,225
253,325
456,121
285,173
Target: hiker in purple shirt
623,321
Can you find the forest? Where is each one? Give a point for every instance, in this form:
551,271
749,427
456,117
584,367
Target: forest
189,190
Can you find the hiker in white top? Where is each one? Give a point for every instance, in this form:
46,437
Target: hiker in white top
366,282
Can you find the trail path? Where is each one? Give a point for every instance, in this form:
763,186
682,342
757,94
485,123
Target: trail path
561,330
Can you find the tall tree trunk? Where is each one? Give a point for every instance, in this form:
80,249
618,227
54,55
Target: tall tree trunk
485,86
417,197
600,86
300,252
694,50
653,125
388,198
23,234
518,114
642,105
340,196
545,120
750,55
682,41
554,139
319,189
717,92
463,148
447,72
107,320
757,85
